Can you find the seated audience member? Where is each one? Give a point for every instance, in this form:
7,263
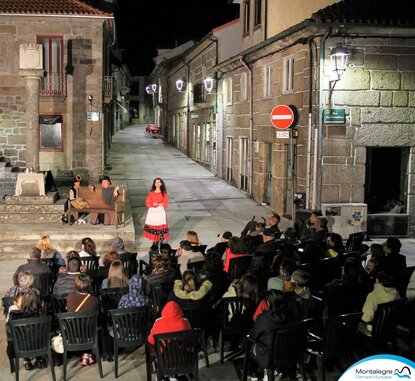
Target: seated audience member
265,253
65,282
223,244
33,264
384,291
185,255
116,276
135,296
193,238
167,252
88,248
372,258
189,292
282,282
291,237
273,221
247,289
254,239
82,301
394,263
321,231
275,315
117,245
48,251
335,245
300,301
236,249
171,320
24,280
309,232
26,305
161,271
213,272
103,270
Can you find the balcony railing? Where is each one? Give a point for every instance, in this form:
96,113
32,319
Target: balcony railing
108,86
53,85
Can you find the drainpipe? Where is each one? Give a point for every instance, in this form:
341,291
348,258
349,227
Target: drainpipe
265,20
188,110
318,138
251,128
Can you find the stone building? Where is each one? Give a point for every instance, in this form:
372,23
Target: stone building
76,41
351,144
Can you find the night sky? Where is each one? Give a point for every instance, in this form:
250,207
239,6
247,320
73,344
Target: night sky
143,26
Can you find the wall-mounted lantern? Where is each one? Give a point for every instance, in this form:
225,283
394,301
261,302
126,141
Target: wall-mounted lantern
339,57
208,83
180,84
154,87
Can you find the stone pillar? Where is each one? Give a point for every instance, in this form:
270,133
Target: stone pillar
31,68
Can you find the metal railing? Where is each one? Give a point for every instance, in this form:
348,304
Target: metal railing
53,85
108,86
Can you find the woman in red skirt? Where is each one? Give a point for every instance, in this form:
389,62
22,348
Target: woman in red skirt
155,227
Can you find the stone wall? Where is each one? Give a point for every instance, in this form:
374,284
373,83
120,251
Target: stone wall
83,51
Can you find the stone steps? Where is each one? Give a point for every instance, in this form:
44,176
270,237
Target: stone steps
32,209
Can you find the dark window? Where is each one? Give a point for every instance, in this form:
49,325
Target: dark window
199,93
258,11
247,14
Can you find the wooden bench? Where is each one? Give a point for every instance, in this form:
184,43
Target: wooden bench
96,205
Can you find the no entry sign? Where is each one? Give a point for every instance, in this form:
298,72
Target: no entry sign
282,117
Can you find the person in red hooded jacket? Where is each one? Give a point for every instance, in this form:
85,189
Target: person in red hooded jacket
171,320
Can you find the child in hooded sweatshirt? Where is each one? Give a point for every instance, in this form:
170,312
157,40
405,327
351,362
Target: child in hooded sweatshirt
171,320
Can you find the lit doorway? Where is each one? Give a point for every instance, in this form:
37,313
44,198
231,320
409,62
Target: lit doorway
386,178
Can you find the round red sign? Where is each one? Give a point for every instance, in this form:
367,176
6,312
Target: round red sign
282,117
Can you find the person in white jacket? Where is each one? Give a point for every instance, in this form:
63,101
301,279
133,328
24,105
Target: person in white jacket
384,291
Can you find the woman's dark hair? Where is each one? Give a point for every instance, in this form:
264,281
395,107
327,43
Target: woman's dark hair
160,263
290,233
376,249
277,303
189,281
247,288
351,269
213,264
337,241
89,246
237,246
165,249
394,244
30,301
162,188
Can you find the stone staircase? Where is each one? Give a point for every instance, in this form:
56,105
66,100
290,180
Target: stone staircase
32,209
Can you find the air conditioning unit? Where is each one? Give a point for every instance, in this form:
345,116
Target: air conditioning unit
345,218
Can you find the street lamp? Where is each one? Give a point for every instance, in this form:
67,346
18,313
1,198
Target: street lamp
339,57
208,83
180,84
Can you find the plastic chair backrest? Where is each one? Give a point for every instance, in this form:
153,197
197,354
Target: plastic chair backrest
339,333
199,248
177,352
233,309
238,266
58,303
110,297
129,262
7,301
386,319
354,242
289,343
159,294
130,325
195,266
31,336
195,315
92,264
43,282
79,330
